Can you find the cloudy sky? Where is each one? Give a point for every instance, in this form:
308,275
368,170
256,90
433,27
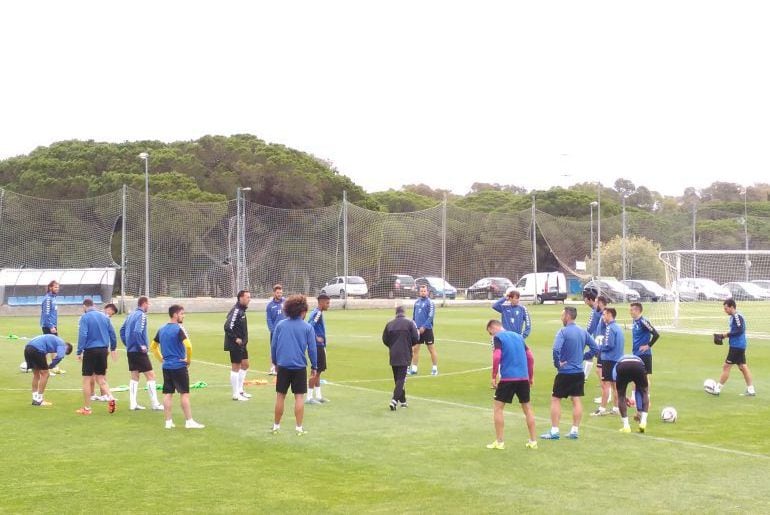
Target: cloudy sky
666,93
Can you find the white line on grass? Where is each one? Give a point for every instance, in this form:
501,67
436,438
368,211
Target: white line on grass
411,378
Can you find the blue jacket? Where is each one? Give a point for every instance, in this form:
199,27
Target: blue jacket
424,310
94,331
49,343
133,332
737,332
292,338
510,357
49,315
593,321
514,318
274,313
172,346
316,321
643,333
569,349
612,347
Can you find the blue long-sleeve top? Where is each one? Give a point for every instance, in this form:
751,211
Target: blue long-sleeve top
94,331
594,318
292,339
643,333
514,318
737,332
612,348
50,343
133,332
424,311
569,349
49,314
274,313
316,321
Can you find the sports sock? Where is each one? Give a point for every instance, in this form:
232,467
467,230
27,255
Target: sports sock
625,422
276,426
234,383
639,400
587,366
152,392
133,387
718,387
750,388
644,417
414,369
309,393
317,392
574,429
241,379
298,428
554,430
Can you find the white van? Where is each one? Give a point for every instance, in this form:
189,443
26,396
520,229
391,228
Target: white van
543,286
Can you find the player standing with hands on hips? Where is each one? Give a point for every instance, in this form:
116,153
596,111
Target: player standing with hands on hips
736,355
49,314
133,334
316,321
424,311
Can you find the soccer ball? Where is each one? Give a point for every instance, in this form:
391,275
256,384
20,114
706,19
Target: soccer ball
23,367
709,386
668,414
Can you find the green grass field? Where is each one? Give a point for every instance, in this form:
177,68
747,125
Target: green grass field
360,457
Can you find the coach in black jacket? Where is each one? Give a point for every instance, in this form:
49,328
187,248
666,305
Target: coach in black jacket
236,339
399,336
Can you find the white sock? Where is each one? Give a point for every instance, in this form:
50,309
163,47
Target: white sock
276,426
317,392
133,387
718,387
554,430
643,417
625,422
587,366
435,367
574,429
234,383
298,428
309,393
414,369
241,379
750,388
152,392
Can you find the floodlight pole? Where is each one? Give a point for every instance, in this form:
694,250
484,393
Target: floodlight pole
746,231
592,205
240,250
623,247
599,232
146,158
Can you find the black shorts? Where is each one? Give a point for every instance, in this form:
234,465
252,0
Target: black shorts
35,359
296,377
238,353
568,385
95,361
426,337
647,359
630,372
507,389
138,362
607,367
176,380
736,356
321,351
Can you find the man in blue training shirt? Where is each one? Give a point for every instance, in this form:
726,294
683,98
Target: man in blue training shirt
49,314
274,314
35,353
95,336
631,369
133,334
736,355
424,312
172,346
316,321
644,336
569,353
594,315
292,339
612,348
513,315
513,368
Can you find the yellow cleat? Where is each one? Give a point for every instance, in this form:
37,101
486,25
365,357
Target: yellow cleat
496,445
531,445
625,429
642,428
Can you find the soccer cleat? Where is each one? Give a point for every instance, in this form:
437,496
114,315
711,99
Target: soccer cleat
573,435
642,428
247,395
95,397
312,401
137,408
191,424
157,407
531,445
83,411
240,398
111,406
392,405
275,430
403,404
600,412
170,424
615,411
323,400
496,445
550,436
434,371
625,429
712,392
300,431
749,394
41,402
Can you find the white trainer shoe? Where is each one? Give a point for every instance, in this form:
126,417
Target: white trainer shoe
191,424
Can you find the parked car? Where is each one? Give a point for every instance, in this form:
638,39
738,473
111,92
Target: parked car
762,283
394,285
649,290
740,290
437,287
691,289
352,286
614,290
542,286
488,288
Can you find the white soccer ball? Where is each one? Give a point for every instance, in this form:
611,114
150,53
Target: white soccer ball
668,414
23,367
709,385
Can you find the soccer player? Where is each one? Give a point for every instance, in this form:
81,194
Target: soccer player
292,339
513,368
569,353
104,396
35,355
399,336
49,314
274,314
594,316
630,368
95,336
612,348
316,321
424,311
513,315
236,341
172,346
644,336
736,355
133,334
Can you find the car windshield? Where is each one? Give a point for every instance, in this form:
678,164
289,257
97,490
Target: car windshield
354,279
481,283
707,283
616,285
652,286
438,282
502,282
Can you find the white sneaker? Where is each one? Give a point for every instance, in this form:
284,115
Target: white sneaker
95,397
240,398
170,424
247,395
137,407
434,371
615,411
157,407
191,424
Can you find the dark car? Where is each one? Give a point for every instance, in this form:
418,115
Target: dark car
649,290
394,285
437,287
488,288
614,290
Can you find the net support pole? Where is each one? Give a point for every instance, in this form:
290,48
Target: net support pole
345,248
678,273
443,249
123,252
534,248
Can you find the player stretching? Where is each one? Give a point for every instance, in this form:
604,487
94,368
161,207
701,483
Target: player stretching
236,340
133,334
736,355
513,363
612,348
424,311
568,356
35,355
630,368
274,314
316,321
644,336
49,314
172,346
95,334
514,316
